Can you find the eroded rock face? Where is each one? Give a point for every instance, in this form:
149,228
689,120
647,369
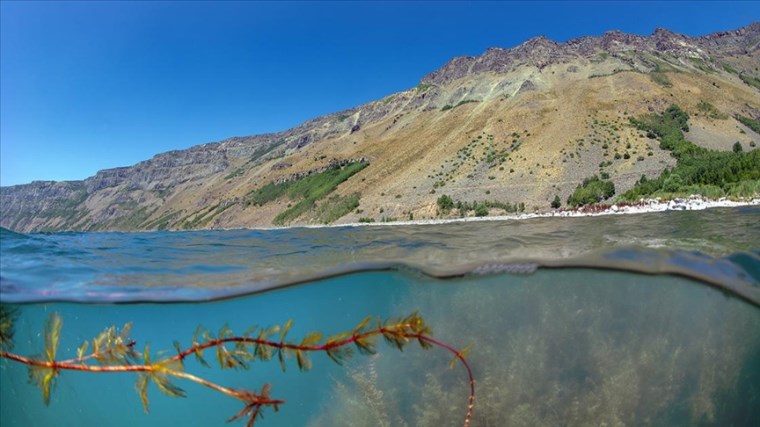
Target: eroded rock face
127,197
541,52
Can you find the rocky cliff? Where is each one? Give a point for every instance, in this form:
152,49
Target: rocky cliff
517,125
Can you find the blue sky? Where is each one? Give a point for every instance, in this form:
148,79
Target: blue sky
86,86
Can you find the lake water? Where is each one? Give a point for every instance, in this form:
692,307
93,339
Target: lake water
649,319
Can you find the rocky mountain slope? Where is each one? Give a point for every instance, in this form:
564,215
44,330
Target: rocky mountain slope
516,126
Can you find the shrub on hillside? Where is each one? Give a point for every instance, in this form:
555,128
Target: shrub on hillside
698,170
592,190
445,204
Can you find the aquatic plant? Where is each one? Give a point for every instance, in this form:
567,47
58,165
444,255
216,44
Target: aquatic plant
587,349
113,350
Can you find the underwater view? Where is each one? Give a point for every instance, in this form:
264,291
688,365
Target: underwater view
379,214
648,319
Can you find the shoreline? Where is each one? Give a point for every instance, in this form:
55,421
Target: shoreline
691,203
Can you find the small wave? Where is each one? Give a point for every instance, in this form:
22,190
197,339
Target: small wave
716,246
737,275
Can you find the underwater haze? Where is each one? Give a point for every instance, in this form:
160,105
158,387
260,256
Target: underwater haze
648,319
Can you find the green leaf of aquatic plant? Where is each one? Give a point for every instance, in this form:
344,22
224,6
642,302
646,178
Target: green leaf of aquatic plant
82,349
198,352
366,345
114,348
272,330
286,329
44,378
208,336
281,358
311,339
197,332
161,380
248,332
125,331
304,363
178,348
225,332
200,359
395,338
262,352
362,325
424,344
8,318
53,327
339,354
463,353
160,375
142,389
146,355
97,343
417,324
338,337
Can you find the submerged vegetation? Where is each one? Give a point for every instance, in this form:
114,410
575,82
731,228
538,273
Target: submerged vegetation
574,348
698,170
113,351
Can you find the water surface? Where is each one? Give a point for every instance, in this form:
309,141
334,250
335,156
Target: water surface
649,319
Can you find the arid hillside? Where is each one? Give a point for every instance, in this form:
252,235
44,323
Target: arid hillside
513,127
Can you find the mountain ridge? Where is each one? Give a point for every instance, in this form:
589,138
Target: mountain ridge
515,85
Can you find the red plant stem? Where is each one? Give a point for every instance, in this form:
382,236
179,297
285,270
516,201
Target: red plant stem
458,355
230,392
126,368
74,366
397,330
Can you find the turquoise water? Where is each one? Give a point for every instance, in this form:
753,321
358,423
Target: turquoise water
630,320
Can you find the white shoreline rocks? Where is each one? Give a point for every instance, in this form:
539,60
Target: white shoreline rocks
691,203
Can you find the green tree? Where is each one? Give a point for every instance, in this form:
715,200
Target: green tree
672,183
738,147
556,203
592,190
445,204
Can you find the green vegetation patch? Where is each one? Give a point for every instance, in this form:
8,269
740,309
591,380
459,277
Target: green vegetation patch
729,68
698,170
660,78
445,204
710,111
462,102
592,190
701,65
750,80
307,190
480,208
749,122
237,172
337,206
132,220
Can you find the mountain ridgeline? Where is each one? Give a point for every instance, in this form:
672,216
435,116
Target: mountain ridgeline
527,126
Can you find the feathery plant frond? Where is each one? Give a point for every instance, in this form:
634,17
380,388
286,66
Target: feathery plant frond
114,351
7,330
53,327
